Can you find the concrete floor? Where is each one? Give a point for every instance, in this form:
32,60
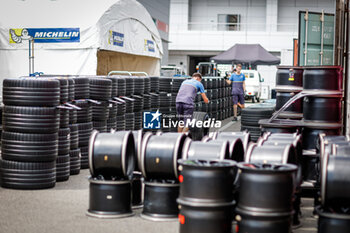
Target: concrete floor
62,209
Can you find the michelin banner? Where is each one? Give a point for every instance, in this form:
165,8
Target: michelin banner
45,35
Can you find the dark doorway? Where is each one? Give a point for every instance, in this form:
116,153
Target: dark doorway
194,60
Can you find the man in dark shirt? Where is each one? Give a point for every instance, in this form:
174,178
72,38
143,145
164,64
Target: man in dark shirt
186,96
238,89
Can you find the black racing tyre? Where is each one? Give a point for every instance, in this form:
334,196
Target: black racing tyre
155,100
25,175
147,85
121,86
147,102
198,133
74,166
138,103
29,147
129,104
63,141
62,168
100,126
137,120
30,119
64,118
100,112
129,83
85,114
39,92
75,153
100,89
74,156
250,128
121,108
252,115
120,124
154,84
165,84
81,88
73,116
63,86
74,136
129,121
63,89
71,89
113,110
250,111
139,85
114,89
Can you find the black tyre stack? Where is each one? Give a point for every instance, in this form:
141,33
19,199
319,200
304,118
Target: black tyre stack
129,113
74,151
165,98
154,80
155,101
63,159
100,90
147,99
30,133
139,90
251,116
154,94
147,91
84,118
117,108
121,109
130,102
199,132
219,94
116,120
113,108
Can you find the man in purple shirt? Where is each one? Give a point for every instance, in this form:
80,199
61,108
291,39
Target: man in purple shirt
238,89
186,96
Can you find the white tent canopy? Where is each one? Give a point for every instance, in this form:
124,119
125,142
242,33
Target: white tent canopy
71,35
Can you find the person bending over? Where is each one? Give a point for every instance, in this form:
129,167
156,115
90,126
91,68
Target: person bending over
185,99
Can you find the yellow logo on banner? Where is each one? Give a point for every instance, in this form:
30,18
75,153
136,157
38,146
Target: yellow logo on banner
17,35
146,47
110,38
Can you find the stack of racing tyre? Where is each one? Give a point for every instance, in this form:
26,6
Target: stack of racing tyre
84,117
30,133
251,116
